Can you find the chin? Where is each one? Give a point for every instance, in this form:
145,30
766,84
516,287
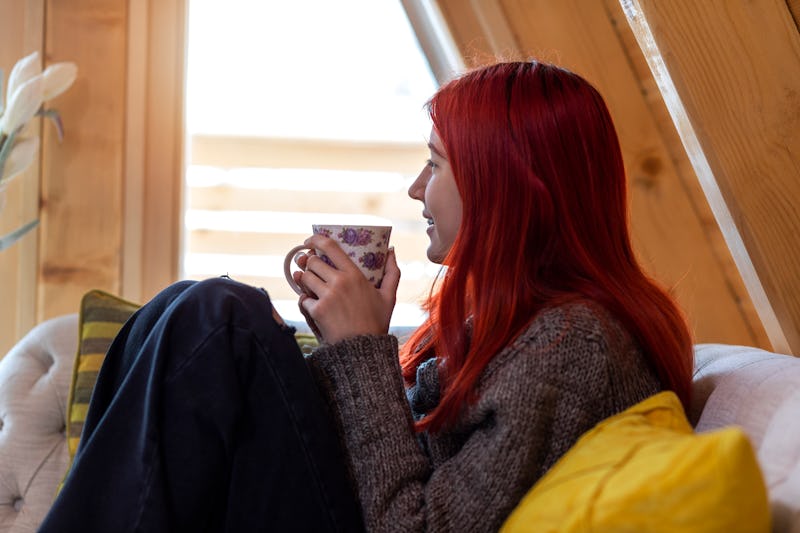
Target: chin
435,256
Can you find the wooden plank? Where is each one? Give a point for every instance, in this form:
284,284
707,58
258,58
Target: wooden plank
730,74
135,151
231,151
685,172
82,178
388,204
164,137
668,235
22,28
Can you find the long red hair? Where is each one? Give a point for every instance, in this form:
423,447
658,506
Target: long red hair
537,163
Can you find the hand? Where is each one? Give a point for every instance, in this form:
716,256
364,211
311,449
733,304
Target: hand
341,302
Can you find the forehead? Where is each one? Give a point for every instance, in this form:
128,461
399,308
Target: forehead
435,143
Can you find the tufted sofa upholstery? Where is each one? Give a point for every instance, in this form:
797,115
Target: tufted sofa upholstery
34,382
755,389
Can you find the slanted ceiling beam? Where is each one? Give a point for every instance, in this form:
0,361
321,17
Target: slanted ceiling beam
730,75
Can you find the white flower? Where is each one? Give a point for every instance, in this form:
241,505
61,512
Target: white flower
26,68
23,104
58,77
21,156
28,88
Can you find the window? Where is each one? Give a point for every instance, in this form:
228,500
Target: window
300,112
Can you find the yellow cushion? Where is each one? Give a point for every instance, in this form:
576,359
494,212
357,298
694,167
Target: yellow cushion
644,470
101,317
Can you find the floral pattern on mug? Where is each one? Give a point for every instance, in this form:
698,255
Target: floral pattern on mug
373,260
325,232
355,236
327,260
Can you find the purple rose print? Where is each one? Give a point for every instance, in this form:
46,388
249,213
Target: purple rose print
372,260
348,236
355,237
325,232
364,237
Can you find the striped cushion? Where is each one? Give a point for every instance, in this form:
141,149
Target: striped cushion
102,315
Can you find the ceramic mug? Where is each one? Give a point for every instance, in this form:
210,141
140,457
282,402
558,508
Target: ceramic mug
367,247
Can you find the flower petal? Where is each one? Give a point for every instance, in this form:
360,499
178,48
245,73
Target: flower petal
23,105
20,158
25,69
58,77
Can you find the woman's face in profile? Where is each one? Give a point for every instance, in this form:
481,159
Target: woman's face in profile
436,188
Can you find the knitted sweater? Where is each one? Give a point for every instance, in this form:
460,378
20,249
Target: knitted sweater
574,366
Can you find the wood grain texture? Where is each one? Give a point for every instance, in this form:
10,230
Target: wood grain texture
730,74
794,9
685,172
669,234
21,28
164,146
82,177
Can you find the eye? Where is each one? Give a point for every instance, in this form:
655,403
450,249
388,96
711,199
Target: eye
431,164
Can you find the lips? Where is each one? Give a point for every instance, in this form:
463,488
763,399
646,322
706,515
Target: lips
428,218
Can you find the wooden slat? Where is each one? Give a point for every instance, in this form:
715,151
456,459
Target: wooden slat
135,151
668,235
164,147
730,73
229,151
387,204
21,28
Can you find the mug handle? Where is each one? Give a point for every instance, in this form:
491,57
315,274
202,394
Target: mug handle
287,266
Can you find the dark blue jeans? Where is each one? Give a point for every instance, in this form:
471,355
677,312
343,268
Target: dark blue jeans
206,418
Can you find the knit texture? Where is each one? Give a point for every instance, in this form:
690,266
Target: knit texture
574,366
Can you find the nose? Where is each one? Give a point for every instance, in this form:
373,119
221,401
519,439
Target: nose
417,189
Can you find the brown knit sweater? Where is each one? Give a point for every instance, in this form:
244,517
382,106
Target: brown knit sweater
574,366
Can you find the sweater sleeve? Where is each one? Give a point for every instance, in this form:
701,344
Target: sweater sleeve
535,400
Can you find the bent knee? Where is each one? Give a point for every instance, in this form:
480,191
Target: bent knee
227,293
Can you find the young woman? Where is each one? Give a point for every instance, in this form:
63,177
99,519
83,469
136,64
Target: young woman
206,416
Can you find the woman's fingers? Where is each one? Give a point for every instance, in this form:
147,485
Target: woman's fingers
391,276
333,251
305,301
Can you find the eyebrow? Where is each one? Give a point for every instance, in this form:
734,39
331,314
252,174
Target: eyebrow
434,150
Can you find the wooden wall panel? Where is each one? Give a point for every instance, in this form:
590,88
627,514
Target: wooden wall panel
669,233
162,209
21,28
730,74
82,177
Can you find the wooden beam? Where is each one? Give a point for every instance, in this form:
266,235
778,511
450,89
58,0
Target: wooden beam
163,156
730,75
669,235
22,28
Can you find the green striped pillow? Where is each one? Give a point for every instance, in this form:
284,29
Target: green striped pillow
102,315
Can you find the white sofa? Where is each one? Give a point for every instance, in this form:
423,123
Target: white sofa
755,389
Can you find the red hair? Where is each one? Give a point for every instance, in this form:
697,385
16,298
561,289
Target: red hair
537,163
